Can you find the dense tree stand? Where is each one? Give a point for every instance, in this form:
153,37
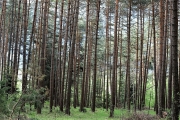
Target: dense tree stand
80,59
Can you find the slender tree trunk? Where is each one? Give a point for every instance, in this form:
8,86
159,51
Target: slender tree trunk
89,64
3,46
60,58
10,47
128,56
174,44
85,54
88,69
76,72
141,73
146,68
169,101
113,88
161,62
95,57
155,72
67,111
15,67
64,57
43,49
32,36
24,80
120,61
107,55
137,62
52,61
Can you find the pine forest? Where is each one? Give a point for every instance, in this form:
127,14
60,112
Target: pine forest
89,59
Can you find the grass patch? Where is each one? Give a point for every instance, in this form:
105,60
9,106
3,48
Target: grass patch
99,114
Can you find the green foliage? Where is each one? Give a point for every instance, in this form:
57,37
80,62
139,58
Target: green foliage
99,114
150,100
99,102
33,97
3,101
15,103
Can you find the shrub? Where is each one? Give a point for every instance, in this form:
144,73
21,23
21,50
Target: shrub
3,100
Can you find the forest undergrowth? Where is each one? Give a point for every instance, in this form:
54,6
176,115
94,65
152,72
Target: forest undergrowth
99,114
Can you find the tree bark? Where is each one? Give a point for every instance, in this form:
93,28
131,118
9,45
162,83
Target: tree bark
174,44
85,56
113,88
70,69
43,50
129,55
95,57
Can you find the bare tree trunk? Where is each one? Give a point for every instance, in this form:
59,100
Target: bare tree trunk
155,72
174,44
88,69
169,101
113,88
95,57
24,80
32,36
10,48
85,54
128,56
76,72
53,61
15,65
120,62
43,49
141,56
107,55
146,67
75,23
64,57
60,58
3,46
161,71
137,62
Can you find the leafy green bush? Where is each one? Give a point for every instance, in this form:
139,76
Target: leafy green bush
3,100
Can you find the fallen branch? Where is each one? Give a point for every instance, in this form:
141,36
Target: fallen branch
15,106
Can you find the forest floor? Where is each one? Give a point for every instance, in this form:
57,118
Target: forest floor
99,114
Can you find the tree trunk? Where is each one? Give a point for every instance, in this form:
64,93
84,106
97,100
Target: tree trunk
64,57
174,44
60,58
15,65
113,88
155,72
85,54
52,62
95,57
43,49
161,62
137,62
32,36
169,99
128,56
24,80
67,111
107,55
